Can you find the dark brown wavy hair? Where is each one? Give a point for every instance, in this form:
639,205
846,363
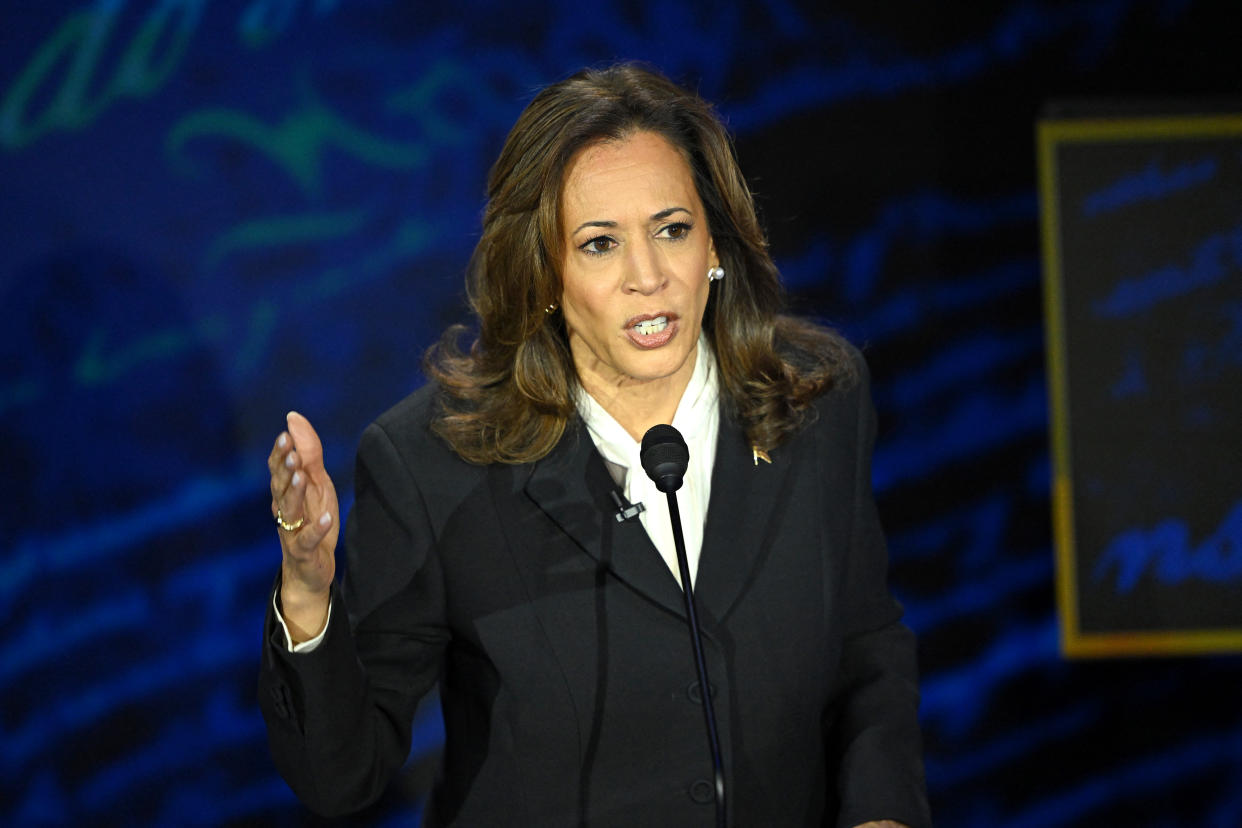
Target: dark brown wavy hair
509,397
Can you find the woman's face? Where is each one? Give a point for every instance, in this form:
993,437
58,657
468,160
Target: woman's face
637,250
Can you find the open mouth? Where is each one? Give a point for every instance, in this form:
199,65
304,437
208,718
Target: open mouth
649,331
651,326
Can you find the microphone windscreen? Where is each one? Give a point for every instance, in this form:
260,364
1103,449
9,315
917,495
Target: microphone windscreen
664,456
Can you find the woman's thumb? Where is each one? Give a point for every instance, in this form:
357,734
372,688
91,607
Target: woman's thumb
305,440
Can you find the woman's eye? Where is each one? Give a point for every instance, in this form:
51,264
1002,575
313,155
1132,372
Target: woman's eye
676,231
598,245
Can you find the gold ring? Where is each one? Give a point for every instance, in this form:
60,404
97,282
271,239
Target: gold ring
284,524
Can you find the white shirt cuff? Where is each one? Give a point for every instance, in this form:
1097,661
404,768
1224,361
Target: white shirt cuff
305,646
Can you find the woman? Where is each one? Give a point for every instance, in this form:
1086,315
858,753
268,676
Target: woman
621,281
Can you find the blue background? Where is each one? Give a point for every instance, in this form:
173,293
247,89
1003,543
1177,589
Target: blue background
214,212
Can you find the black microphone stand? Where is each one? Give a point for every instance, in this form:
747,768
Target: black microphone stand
665,457
696,643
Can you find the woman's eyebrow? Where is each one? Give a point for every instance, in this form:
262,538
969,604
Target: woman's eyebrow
665,213
660,216
594,224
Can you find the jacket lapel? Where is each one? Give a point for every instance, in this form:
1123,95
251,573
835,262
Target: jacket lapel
571,486
745,510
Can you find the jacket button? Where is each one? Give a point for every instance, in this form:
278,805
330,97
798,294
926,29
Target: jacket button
694,691
702,792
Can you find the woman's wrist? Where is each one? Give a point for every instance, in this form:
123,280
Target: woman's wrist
304,613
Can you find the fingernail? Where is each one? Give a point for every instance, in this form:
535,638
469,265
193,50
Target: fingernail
325,519
283,440
289,460
297,479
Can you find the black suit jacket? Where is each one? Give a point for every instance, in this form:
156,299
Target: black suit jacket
560,643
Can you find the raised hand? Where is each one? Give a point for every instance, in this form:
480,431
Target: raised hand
305,507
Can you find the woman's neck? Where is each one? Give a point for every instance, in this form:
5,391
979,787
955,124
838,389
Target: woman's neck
638,405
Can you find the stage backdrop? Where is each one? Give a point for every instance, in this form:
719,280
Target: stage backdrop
214,212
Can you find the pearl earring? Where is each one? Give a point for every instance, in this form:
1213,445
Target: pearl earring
715,274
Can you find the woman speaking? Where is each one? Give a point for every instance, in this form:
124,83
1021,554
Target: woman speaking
506,543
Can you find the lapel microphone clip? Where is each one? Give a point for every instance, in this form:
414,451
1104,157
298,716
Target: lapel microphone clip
625,511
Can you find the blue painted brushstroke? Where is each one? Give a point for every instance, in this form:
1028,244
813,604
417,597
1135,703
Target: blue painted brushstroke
916,219
906,309
1152,184
952,700
1217,257
1166,553
962,363
974,529
971,534
922,219
1205,361
203,657
1009,748
1024,28
978,423
49,634
218,724
211,586
42,555
1133,380
1228,811
44,802
1038,479
1159,771
980,594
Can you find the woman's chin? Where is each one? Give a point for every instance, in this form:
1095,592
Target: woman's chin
656,365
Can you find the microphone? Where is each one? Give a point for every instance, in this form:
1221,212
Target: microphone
625,510
664,456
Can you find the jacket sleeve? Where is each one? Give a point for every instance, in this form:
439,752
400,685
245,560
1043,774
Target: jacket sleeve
874,728
339,717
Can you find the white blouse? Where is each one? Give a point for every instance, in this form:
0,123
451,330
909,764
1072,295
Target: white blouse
698,420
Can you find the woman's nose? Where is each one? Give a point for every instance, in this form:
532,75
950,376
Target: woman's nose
645,269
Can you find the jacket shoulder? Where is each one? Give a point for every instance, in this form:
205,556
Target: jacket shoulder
850,390
404,433
418,408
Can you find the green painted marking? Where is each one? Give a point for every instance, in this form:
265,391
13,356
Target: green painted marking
263,317
410,239
419,101
282,230
100,365
77,47
298,144
21,392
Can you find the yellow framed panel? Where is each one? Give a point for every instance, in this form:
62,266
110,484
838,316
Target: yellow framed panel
1051,135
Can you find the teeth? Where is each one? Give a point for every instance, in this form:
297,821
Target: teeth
652,326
